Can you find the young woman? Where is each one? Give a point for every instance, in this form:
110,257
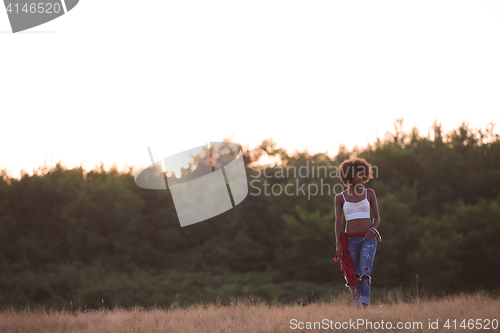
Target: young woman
360,236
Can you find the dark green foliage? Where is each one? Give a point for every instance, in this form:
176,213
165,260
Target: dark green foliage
73,239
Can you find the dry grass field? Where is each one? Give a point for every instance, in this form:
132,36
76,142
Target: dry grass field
255,316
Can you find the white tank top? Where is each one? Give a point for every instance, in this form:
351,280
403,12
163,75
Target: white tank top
356,210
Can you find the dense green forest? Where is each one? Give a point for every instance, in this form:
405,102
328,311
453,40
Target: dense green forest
75,239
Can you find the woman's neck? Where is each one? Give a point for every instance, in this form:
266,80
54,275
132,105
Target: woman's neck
355,189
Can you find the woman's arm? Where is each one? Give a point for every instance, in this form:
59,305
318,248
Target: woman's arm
338,223
372,198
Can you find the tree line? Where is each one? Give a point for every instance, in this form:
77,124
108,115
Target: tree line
71,238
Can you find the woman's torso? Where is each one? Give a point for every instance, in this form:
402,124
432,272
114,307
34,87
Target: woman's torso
357,224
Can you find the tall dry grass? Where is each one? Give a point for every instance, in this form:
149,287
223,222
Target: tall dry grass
256,316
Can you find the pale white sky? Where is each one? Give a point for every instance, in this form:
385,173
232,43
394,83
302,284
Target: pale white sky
112,77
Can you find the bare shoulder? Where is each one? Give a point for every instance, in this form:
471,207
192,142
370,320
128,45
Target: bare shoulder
370,192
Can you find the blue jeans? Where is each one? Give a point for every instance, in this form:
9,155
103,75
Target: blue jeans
362,253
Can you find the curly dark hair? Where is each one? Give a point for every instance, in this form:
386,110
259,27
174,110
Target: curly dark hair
350,168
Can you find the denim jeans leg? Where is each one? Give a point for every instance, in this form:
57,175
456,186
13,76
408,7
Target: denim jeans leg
355,296
354,248
365,265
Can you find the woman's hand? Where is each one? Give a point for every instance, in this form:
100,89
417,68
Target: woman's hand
339,251
369,234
